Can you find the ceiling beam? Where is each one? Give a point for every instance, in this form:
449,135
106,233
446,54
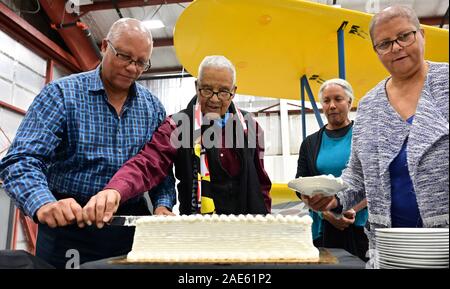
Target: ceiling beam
157,42
17,28
432,20
161,42
164,76
175,69
126,4
74,37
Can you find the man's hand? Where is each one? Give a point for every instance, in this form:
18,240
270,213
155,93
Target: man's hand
101,207
60,213
319,202
161,210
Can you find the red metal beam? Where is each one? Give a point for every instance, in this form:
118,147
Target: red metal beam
30,229
73,36
432,20
160,42
32,38
49,71
12,108
164,70
15,229
126,4
157,42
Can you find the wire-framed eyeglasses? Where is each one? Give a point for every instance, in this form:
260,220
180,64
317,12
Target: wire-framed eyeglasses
125,58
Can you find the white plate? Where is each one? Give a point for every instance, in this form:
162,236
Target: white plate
412,236
412,248
438,253
326,185
409,266
412,261
382,266
413,255
428,242
413,230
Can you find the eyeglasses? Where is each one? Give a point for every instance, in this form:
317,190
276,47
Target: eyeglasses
128,59
223,95
403,40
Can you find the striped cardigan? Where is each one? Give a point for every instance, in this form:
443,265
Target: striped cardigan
378,135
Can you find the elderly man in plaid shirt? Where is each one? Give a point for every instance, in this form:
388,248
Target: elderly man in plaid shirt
77,133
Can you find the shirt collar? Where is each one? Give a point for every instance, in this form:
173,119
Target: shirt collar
96,83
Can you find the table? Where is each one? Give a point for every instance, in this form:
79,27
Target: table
330,259
20,259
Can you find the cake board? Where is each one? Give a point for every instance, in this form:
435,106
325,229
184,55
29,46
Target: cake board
325,257
330,258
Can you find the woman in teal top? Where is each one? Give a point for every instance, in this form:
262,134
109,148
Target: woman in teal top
327,152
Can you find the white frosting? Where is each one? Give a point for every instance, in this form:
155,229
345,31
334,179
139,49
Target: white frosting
245,238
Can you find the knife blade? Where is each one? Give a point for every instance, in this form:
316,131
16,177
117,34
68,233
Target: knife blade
128,221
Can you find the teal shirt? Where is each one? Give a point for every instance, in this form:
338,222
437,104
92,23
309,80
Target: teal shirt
334,153
316,227
332,158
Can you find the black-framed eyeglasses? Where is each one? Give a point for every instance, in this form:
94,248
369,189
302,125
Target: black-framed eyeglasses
125,58
403,40
223,95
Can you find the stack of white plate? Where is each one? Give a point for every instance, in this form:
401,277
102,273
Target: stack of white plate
412,247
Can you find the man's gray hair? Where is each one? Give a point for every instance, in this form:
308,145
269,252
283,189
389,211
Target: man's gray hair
391,13
337,81
216,61
125,25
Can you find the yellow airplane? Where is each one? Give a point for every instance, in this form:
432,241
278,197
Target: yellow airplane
274,43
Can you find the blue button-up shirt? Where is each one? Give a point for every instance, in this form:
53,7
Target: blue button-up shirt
71,141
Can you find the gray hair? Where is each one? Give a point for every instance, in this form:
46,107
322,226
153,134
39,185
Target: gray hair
337,81
217,61
391,13
127,25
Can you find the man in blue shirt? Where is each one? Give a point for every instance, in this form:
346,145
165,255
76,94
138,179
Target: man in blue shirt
77,133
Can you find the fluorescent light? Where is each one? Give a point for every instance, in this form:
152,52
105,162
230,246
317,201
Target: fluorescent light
153,24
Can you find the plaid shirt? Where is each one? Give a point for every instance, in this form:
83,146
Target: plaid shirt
72,141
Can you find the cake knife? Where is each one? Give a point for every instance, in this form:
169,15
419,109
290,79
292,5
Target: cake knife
129,221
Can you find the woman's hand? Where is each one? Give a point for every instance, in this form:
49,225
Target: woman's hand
342,222
319,202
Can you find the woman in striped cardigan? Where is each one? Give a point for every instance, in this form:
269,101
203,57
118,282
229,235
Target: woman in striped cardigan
400,146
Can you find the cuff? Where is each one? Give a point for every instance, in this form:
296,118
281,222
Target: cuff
166,202
123,188
35,202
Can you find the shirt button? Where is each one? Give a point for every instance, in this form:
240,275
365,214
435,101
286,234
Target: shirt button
221,155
